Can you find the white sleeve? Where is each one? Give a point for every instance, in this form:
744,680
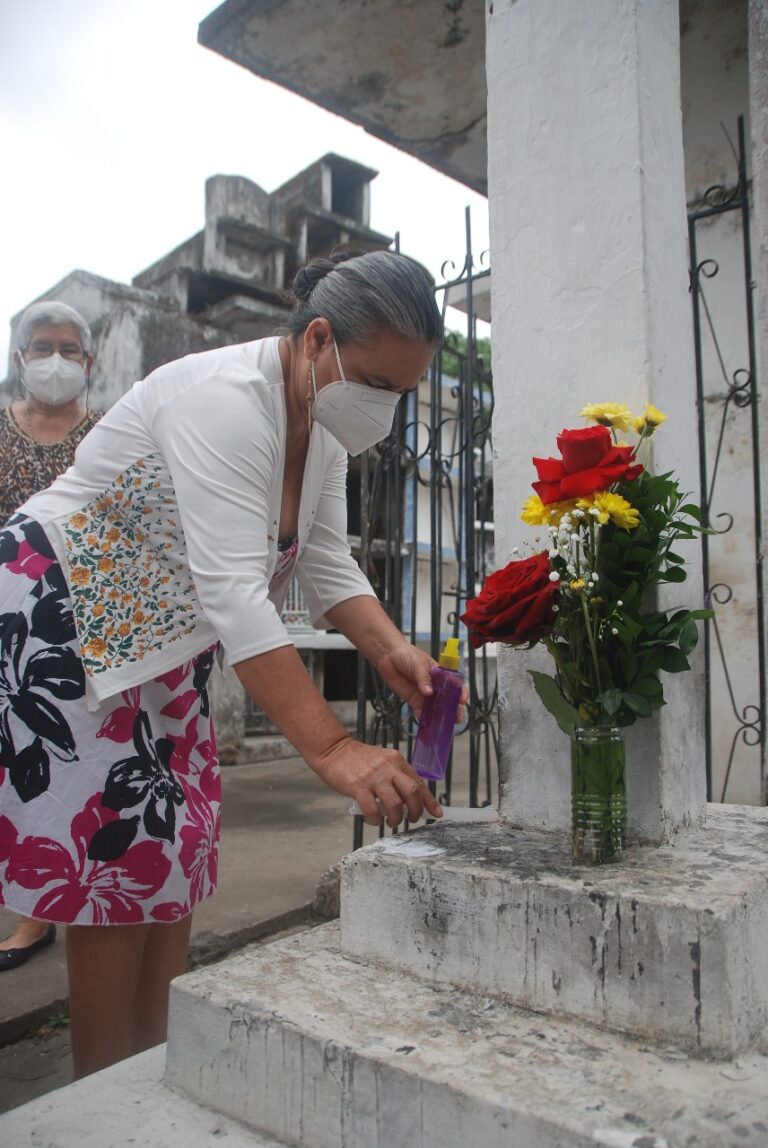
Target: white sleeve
327,572
219,440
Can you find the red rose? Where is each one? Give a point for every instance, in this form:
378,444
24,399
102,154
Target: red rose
589,462
514,605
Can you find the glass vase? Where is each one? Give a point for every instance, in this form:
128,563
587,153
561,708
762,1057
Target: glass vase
598,795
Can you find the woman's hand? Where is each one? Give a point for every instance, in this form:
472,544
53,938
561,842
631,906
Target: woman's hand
408,671
380,780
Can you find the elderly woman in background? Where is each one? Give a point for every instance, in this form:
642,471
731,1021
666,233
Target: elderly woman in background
189,507
38,436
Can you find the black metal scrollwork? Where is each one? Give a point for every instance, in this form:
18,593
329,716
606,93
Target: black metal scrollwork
427,543
739,393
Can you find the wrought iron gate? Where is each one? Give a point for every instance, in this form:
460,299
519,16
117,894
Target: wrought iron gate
729,452
426,539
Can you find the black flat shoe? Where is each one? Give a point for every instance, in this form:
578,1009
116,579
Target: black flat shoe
12,958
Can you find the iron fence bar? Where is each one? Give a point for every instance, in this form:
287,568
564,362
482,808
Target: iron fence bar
438,456
362,671
704,486
469,494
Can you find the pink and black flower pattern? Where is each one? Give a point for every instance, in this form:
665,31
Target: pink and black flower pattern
108,816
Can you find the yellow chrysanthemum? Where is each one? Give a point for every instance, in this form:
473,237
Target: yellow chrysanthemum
611,507
536,513
615,415
651,418
577,584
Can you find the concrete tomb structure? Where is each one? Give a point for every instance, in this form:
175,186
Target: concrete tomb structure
481,988
226,284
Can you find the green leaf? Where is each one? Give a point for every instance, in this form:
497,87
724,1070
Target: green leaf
610,700
675,558
641,554
630,593
674,574
702,615
674,661
692,510
689,636
636,702
648,687
563,713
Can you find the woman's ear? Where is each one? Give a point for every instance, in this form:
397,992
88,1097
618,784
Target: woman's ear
317,337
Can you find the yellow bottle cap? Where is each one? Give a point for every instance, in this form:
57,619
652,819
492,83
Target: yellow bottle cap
449,659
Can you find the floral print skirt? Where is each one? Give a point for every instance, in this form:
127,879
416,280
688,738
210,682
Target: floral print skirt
107,817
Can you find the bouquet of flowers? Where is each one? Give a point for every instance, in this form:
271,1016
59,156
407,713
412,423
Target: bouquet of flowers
612,534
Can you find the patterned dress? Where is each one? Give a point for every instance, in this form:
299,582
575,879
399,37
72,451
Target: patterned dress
27,466
109,816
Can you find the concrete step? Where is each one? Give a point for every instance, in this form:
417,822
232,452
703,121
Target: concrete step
671,945
126,1105
318,1049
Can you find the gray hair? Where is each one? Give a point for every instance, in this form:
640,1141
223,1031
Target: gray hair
381,290
51,315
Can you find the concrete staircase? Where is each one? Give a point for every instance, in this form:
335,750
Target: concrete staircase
406,1027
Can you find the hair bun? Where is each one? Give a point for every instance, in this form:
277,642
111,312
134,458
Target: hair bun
307,278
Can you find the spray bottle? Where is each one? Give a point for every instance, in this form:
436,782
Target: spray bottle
438,716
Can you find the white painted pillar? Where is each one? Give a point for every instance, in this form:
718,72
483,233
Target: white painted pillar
758,114
590,303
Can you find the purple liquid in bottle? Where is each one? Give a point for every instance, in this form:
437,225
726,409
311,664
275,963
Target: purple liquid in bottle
438,716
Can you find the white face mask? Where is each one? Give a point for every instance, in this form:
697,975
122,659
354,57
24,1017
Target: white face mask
356,415
53,380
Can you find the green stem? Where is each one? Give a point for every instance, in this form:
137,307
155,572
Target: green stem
592,645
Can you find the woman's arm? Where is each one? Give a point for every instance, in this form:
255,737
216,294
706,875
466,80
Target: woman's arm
405,668
380,780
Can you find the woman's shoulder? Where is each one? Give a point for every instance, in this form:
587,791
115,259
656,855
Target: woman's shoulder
255,365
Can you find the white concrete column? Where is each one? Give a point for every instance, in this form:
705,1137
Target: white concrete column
590,303
758,113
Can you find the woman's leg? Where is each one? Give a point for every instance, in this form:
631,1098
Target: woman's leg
104,965
165,957
27,931
119,977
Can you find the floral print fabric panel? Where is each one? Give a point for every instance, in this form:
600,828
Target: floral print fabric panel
106,817
131,585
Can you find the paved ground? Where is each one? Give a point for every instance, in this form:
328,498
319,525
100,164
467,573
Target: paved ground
281,830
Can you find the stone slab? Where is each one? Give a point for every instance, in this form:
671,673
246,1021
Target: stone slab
127,1104
324,1051
671,945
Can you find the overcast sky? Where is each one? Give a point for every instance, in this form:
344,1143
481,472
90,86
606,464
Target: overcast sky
112,119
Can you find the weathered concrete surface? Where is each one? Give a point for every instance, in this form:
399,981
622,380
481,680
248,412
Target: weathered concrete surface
410,73
321,1050
671,945
228,709
127,1104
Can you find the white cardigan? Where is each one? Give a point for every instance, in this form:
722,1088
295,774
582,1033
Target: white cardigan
166,525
